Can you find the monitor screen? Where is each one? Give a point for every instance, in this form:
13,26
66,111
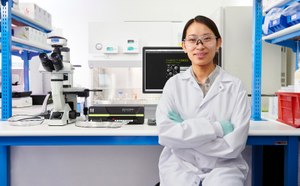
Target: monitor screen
161,63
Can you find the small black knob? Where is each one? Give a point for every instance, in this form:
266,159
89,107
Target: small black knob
72,114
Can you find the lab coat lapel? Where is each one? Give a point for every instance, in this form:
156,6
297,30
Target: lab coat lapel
216,88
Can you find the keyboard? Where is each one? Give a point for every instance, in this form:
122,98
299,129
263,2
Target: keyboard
102,124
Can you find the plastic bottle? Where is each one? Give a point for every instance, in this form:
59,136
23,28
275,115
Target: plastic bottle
297,80
297,72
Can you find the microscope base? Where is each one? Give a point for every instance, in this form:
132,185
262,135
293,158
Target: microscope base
58,122
59,118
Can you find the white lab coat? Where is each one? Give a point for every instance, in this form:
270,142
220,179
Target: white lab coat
193,150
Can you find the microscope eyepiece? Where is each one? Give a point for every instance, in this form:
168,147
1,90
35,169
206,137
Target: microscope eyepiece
46,62
57,61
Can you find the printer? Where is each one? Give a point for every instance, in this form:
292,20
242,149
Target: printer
134,114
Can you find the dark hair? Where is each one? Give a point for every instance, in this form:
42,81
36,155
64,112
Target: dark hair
210,24
203,20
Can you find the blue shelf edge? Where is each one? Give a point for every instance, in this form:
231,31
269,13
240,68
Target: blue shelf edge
28,47
286,40
28,23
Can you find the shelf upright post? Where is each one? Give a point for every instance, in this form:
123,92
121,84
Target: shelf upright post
297,55
4,166
6,58
25,57
256,60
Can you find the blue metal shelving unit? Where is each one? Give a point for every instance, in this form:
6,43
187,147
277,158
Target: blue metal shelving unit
286,40
283,39
26,54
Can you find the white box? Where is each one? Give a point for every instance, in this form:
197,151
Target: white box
43,16
46,17
39,37
44,38
27,33
20,102
31,10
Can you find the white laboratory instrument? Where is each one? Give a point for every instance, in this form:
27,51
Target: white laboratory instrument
63,94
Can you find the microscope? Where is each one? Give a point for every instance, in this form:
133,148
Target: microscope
64,95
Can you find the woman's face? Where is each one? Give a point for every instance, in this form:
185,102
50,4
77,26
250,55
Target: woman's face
200,44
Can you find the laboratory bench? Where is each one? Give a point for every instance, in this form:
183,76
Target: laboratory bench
261,133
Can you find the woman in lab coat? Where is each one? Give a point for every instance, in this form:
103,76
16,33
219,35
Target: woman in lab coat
203,117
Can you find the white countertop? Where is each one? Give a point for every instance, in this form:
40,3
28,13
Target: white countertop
269,127
71,130
257,128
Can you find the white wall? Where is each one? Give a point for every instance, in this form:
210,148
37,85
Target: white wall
73,17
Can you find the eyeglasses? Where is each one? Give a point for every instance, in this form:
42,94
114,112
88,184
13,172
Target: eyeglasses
206,40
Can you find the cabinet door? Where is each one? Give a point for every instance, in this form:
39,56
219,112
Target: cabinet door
237,51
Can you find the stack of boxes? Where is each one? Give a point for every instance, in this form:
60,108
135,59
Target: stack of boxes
39,15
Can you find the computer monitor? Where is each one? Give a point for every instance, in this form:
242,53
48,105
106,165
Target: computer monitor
161,63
